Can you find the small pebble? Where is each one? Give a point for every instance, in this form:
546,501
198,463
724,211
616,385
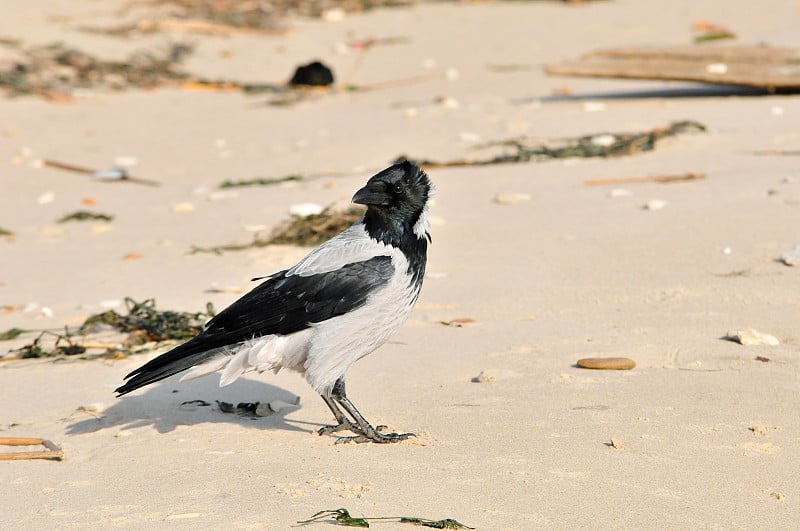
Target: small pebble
727,250
511,198
620,192
608,364
749,337
333,15
182,207
45,198
604,140
222,194
617,444
449,103
594,106
483,377
791,257
304,210
111,174
263,410
717,68
46,311
655,204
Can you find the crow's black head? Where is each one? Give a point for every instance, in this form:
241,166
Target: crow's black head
396,200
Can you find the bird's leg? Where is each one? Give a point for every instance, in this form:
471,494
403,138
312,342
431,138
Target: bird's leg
343,422
364,430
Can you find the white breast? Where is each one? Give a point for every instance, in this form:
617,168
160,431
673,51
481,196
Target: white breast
326,350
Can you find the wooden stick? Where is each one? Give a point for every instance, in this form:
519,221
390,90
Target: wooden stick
20,441
52,452
664,179
88,171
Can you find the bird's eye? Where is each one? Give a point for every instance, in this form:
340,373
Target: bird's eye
399,188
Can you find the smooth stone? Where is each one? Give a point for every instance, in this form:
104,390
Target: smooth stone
608,364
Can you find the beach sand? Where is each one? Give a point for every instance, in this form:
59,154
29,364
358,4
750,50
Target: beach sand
572,271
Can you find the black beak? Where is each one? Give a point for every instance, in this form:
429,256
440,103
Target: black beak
371,194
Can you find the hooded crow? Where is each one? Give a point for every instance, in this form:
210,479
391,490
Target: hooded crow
335,306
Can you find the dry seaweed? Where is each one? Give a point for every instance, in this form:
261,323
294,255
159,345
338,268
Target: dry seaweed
5,233
597,145
226,17
143,323
260,181
303,231
12,333
85,215
342,517
57,70
150,324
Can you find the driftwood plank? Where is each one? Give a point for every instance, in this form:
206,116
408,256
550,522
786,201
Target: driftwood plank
52,452
773,69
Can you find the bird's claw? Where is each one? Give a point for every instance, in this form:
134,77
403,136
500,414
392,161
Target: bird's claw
345,425
376,437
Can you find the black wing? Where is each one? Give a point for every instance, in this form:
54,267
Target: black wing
280,305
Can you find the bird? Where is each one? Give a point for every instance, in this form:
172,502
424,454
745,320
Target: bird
338,304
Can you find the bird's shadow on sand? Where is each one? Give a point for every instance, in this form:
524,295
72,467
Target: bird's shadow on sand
170,404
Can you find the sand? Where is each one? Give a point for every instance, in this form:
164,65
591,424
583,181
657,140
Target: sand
708,433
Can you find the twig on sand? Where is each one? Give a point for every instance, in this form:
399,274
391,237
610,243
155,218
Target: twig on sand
664,179
52,452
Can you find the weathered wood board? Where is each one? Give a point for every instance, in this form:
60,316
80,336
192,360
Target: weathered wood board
769,68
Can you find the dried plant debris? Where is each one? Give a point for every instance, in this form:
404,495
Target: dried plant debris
226,17
142,323
709,31
597,145
149,324
85,215
342,517
662,179
6,233
260,181
306,231
57,69
12,333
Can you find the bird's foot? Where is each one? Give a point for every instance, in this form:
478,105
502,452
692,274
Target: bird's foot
375,435
344,425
